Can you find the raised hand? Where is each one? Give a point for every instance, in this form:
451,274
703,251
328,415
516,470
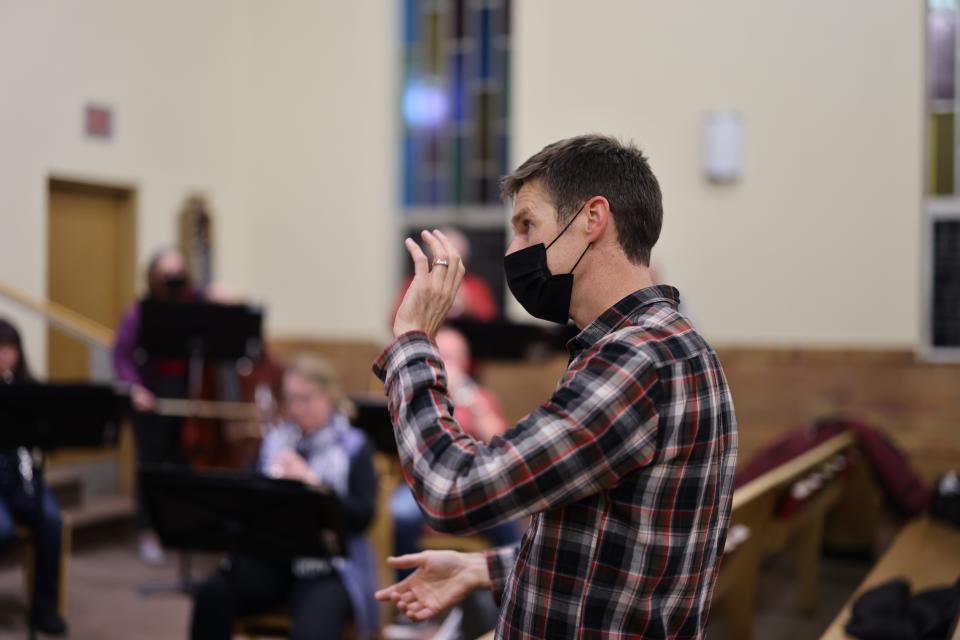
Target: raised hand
434,287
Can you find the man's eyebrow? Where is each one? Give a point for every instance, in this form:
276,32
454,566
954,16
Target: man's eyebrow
519,214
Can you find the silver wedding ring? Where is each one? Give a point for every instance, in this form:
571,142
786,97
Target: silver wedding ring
441,262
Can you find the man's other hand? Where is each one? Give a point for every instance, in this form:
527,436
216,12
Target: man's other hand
441,579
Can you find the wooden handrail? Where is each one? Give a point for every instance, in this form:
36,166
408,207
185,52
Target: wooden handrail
792,469
216,409
68,321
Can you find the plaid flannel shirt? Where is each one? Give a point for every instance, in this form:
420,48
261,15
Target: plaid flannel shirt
627,472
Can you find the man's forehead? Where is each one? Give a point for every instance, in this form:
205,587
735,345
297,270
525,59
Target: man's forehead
533,199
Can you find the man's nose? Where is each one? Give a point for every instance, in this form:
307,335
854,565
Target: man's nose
515,245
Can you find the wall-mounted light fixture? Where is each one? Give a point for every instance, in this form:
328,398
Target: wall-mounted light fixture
722,146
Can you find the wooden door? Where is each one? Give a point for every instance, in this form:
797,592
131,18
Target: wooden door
90,265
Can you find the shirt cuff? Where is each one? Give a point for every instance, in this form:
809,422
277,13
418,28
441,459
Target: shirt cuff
499,565
410,345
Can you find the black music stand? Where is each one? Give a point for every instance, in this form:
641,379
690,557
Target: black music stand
199,331
51,416
373,417
503,340
45,417
209,330
234,512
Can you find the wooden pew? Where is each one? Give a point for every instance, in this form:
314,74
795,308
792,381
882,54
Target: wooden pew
926,553
754,506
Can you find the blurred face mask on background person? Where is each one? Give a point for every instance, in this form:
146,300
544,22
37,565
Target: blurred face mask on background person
175,285
170,287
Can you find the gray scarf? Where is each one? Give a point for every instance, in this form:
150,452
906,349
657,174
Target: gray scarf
323,450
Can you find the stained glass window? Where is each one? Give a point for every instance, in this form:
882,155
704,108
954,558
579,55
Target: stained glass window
941,107
455,101
454,109
941,253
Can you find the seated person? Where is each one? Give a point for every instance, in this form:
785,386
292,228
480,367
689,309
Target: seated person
477,411
318,446
19,486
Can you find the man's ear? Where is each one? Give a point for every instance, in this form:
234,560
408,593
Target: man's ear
597,216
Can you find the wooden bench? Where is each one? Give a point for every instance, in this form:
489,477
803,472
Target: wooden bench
926,553
754,506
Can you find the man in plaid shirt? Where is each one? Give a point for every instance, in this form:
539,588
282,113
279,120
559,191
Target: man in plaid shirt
627,470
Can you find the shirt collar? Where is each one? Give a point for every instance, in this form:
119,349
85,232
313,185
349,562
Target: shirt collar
615,316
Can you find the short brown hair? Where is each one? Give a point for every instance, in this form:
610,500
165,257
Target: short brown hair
576,169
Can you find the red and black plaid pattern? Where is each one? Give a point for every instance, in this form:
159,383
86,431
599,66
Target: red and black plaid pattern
627,472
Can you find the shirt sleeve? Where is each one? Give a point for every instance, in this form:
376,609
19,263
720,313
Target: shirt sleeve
124,346
499,564
599,425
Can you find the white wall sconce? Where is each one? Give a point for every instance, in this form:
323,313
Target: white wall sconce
722,141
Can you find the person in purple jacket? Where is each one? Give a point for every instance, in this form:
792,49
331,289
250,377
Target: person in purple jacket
157,437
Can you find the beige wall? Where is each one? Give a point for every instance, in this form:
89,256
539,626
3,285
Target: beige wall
168,70
281,114
322,172
285,115
818,244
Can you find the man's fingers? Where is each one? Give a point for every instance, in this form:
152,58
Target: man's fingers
396,591
422,614
438,253
458,277
452,257
457,268
409,561
421,267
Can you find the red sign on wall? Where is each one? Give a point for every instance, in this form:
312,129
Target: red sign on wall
98,121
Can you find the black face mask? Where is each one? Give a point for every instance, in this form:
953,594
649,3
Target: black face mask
175,284
172,287
542,294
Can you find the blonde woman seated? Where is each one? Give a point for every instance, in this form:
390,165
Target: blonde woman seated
318,446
